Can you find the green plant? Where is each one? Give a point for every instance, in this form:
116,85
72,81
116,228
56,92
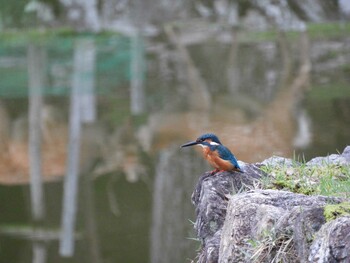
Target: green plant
327,179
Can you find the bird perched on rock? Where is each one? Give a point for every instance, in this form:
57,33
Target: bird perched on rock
218,156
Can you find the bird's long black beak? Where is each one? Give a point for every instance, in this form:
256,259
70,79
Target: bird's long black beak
189,144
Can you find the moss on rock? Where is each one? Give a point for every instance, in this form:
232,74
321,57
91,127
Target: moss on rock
334,211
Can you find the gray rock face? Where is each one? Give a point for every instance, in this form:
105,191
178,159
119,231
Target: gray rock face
273,221
335,159
210,198
277,160
346,153
332,242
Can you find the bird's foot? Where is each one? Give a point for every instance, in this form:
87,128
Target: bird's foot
214,171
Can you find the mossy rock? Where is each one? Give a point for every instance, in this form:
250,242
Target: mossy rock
293,187
332,212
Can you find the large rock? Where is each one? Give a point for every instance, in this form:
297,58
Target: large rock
271,225
332,242
238,222
210,197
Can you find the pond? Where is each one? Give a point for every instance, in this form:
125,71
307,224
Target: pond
137,100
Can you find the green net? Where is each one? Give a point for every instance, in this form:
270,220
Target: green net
111,69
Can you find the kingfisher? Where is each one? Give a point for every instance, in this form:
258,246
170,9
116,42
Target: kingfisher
217,155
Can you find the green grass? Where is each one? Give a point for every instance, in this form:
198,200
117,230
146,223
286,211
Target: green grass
328,180
315,31
329,92
328,30
40,35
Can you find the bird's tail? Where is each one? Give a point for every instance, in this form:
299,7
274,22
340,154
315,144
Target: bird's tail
238,169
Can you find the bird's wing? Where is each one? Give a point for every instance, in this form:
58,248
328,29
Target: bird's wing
226,154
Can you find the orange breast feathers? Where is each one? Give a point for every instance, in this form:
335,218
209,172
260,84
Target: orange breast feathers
214,160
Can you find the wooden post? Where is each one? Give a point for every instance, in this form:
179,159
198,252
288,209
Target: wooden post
137,94
88,98
36,66
73,157
39,252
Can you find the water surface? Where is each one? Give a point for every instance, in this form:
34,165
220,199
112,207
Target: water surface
140,100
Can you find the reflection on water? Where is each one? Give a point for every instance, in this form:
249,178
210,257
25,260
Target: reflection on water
136,102
172,210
